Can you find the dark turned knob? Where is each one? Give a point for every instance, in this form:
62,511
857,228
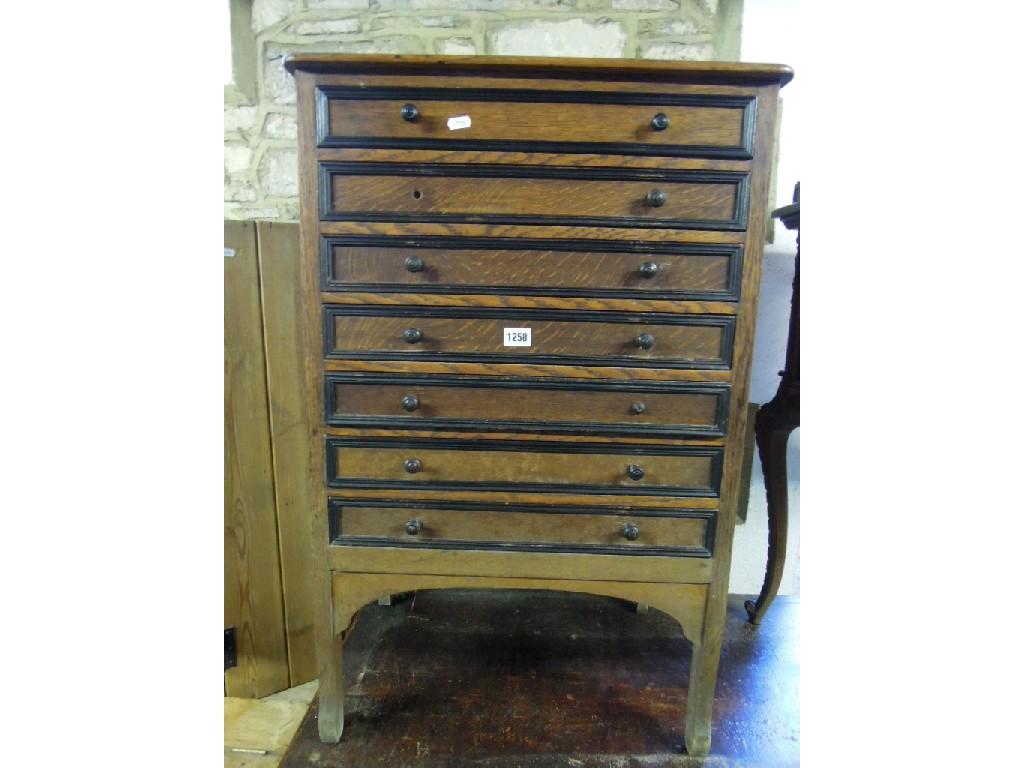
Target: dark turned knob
412,466
414,526
648,269
410,402
413,264
413,335
630,530
644,341
635,472
656,198
638,407
659,122
410,112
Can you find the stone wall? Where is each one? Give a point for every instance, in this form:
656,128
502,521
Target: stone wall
260,162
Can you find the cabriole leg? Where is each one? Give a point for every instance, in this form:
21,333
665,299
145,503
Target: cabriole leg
773,432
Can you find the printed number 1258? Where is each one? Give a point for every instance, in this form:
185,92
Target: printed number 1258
517,337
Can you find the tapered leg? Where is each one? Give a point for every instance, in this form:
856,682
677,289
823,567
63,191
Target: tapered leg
773,431
331,716
700,698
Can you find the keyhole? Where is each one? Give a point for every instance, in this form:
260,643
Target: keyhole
417,194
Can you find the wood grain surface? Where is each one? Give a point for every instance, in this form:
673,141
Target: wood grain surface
516,156
257,732
574,232
515,402
549,432
536,121
252,572
683,602
328,645
568,198
704,670
646,83
561,370
502,300
525,466
465,337
503,527
547,70
546,565
281,288
622,498
517,270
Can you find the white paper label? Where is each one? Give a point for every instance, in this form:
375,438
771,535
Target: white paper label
517,337
462,121
229,253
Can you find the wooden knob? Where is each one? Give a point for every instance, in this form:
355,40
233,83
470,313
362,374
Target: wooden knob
638,407
645,341
656,198
648,269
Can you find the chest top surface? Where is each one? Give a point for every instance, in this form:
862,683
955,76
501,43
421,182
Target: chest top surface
536,66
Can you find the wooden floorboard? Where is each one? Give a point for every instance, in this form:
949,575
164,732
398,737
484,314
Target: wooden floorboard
542,679
257,731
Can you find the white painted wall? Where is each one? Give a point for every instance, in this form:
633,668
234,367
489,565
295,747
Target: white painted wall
771,35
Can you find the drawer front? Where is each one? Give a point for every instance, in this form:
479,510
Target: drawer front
534,194
538,121
488,403
520,528
586,338
532,267
508,466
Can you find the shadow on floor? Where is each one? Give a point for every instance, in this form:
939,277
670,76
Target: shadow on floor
548,679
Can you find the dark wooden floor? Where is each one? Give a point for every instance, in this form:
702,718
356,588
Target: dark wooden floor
548,679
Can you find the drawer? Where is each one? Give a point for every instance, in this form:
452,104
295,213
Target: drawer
500,335
531,465
519,194
452,525
532,267
534,405
681,125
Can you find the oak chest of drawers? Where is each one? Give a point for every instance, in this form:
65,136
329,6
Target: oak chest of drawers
529,312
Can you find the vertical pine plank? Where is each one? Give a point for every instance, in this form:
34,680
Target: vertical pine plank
253,601
281,284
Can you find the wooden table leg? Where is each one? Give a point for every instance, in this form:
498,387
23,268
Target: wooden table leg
772,430
331,712
700,698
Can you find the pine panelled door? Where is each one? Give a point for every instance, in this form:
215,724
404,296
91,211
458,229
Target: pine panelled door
527,315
